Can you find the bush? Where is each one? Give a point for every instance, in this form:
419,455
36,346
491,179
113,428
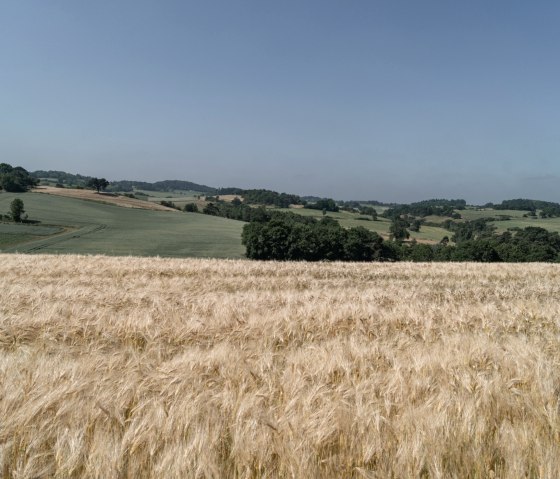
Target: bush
16,209
191,208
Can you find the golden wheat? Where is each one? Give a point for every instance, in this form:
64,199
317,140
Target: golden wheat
133,368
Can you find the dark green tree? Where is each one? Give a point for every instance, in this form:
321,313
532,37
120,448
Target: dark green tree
398,229
211,209
16,180
16,209
191,208
98,183
362,245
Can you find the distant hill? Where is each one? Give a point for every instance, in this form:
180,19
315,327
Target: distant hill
166,185
524,204
61,177
69,179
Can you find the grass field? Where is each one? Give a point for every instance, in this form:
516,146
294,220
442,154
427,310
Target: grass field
429,234
178,197
106,198
96,228
137,368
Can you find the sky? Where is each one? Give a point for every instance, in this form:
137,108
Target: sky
391,100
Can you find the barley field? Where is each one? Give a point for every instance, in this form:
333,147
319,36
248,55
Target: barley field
124,367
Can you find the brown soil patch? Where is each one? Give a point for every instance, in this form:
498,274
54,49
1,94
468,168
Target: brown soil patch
109,198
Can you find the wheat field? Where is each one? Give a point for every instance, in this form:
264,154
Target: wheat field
166,368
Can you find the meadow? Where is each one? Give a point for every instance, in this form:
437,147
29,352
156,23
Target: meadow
427,234
116,367
434,234
90,227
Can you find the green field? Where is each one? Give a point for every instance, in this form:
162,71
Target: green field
68,225
86,227
381,226
433,233
178,197
517,220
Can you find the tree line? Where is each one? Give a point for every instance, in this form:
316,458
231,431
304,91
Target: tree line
165,185
324,204
280,235
263,197
547,209
293,237
15,179
436,207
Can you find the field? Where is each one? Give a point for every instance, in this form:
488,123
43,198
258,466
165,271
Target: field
134,367
427,234
107,198
434,234
89,227
178,197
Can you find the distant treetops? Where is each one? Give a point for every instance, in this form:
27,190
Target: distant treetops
15,179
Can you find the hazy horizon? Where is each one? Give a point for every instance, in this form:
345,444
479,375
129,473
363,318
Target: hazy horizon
391,101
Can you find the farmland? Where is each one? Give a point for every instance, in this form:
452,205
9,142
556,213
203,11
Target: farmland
88,227
79,221
137,367
433,233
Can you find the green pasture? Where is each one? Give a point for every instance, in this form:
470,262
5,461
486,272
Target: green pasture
11,239
381,226
179,197
517,220
550,224
474,214
97,228
35,230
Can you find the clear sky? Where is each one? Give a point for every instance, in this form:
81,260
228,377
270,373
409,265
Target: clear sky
356,99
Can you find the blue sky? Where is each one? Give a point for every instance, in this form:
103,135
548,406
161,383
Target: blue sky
388,100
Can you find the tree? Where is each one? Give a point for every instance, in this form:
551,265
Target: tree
98,183
323,204
16,209
211,209
415,225
191,208
398,229
16,180
362,245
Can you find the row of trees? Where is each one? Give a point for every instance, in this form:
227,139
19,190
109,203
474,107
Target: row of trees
165,185
288,236
436,207
263,197
549,208
295,238
324,204
523,245
62,177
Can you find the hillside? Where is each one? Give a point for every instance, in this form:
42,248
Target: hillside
73,180
102,197
206,368
88,227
